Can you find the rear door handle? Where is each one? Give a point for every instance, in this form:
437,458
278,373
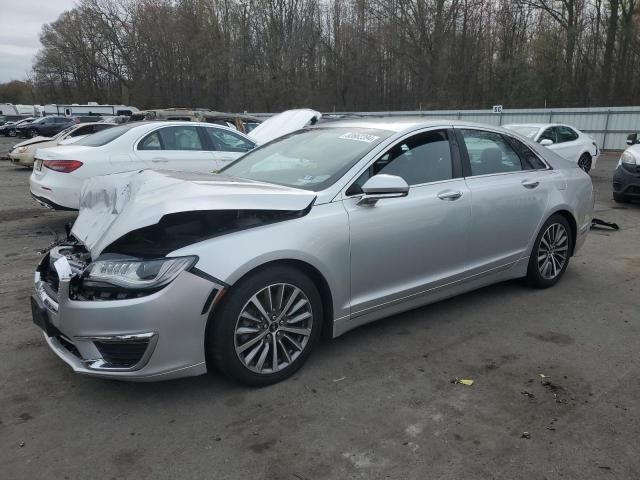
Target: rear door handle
449,195
530,183
159,160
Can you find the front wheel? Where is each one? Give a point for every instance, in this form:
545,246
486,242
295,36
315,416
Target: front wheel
551,251
266,326
31,133
584,162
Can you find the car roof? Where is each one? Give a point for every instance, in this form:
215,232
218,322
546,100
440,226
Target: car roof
84,124
538,125
399,124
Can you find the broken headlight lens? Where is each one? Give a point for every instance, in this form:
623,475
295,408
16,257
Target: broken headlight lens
628,158
137,274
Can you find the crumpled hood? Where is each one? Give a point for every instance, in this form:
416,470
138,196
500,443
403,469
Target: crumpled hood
283,124
113,205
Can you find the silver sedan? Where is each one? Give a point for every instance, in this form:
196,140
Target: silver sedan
169,274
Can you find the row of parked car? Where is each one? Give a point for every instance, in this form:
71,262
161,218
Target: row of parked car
31,127
310,224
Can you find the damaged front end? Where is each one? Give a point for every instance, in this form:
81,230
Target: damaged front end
60,278
112,300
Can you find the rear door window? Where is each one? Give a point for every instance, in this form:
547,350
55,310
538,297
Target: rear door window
151,142
227,141
530,161
181,138
548,134
565,134
490,153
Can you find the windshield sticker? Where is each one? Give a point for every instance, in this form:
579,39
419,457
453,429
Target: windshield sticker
360,137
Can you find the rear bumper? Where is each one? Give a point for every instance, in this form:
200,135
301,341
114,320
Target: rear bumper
45,202
51,192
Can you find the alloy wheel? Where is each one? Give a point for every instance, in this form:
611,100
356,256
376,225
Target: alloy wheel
273,328
584,163
553,251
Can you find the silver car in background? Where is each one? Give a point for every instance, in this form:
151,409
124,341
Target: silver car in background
169,274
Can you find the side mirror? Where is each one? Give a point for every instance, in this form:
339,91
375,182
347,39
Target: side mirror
383,186
546,142
632,139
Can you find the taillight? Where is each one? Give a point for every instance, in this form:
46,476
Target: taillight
62,166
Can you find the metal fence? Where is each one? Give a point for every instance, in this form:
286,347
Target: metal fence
609,126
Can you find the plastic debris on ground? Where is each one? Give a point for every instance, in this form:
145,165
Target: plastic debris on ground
463,381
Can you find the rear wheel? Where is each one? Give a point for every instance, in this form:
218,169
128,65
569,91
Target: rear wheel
12,133
550,255
266,326
31,133
584,162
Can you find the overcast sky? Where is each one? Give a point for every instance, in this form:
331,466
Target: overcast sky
20,25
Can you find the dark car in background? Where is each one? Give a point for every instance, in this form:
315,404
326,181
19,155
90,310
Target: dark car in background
626,178
10,119
45,126
9,128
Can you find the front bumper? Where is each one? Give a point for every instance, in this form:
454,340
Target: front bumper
25,159
626,181
162,334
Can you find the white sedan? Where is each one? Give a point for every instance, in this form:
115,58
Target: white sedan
567,141
59,172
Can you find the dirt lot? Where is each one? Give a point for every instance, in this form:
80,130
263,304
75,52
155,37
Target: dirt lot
376,403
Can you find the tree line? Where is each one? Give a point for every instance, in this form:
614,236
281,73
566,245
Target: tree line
343,55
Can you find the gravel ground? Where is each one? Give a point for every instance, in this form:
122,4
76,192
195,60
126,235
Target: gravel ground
375,403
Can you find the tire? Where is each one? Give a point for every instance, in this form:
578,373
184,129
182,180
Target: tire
550,247
584,162
245,357
12,133
31,133
620,198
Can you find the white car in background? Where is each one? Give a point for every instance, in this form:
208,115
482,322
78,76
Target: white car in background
59,172
565,140
24,152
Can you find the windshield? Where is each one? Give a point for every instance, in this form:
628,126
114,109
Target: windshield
103,137
310,159
525,130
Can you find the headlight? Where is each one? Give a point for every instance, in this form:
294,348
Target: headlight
628,158
20,150
137,274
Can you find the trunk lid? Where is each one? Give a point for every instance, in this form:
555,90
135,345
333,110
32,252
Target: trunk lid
283,123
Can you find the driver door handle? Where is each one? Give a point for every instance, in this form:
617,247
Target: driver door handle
530,183
159,160
449,195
